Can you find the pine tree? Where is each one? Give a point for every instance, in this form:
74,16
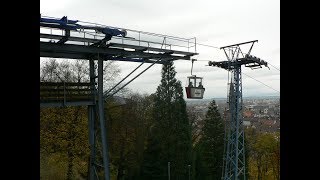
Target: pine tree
212,142
200,170
171,127
152,168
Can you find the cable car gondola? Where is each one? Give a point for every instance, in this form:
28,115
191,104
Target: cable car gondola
195,89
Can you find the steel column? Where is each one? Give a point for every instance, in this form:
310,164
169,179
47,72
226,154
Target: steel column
102,120
92,118
234,165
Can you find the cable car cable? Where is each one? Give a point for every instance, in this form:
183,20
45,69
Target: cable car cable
258,81
261,82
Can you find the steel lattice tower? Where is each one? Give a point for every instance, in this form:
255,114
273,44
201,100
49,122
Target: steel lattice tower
234,157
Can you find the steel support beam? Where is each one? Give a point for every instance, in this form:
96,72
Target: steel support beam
233,45
62,104
91,118
87,51
91,122
102,121
234,161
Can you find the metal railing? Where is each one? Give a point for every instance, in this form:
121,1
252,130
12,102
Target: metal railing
134,37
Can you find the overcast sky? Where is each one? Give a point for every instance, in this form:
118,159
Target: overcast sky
213,22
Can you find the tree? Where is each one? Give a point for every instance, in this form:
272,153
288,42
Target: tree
263,154
65,126
171,130
196,122
127,132
64,140
152,167
200,168
211,142
53,70
63,133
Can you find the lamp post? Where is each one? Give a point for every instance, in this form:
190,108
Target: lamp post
189,166
169,170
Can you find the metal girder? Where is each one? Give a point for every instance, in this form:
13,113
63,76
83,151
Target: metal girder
239,44
168,51
62,104
77,84
102,119
58,26
228,65
81,56
77,39
117,45
86,52
62,55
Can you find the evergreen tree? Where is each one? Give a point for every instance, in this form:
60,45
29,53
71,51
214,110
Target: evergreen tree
152,168
200,170
171,128
212,142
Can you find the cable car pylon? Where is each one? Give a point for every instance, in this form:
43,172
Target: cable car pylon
234,157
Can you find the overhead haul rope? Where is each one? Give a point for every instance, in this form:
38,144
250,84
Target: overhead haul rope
262,83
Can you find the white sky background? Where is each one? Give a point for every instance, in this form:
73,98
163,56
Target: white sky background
213,22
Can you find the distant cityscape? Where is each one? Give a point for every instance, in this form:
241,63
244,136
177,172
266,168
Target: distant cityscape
261,113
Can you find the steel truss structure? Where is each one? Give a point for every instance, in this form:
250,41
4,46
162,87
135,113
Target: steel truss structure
64,38
234,157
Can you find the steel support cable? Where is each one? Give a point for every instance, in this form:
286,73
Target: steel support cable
207,45
124,78
261,82
274,66
132,79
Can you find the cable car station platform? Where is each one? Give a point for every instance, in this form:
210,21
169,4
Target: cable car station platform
73,39
63,38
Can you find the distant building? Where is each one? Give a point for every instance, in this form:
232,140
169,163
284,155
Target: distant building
264,115
268,122
248,114
250,107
